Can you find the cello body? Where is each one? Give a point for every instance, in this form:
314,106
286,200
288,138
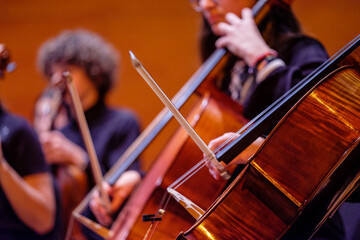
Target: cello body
210,119
213,115
305,169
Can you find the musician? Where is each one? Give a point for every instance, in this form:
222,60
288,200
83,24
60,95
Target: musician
93,64
27,194
269,58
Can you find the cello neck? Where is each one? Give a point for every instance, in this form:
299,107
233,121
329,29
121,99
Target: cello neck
179,100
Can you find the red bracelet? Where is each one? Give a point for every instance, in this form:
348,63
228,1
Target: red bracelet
270,54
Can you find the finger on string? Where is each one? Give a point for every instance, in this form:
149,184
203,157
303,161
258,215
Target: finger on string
213,144
103,216
117,200
99,211
233,19
224,28
247,14
106,186
208,164
214,172
105,219
229,138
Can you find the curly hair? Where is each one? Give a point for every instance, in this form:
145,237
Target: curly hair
84,49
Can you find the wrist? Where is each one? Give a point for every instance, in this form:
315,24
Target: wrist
260,61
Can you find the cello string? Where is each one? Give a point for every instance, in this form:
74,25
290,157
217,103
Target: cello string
245,127
163,204
138,66
181,180
166,196
198,166
254,120
188,174
202,163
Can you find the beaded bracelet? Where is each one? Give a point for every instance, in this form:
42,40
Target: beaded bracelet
263,60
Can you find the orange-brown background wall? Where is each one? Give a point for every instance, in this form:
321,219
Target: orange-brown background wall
161,33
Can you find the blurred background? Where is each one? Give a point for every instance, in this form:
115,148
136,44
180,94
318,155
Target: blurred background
161,33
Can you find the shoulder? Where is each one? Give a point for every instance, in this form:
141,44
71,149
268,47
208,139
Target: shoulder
304,49
21,146
307,43
15,127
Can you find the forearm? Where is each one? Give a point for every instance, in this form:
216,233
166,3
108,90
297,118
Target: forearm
32,198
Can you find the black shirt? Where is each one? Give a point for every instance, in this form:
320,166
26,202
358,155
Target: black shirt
112,132
23,153
301,57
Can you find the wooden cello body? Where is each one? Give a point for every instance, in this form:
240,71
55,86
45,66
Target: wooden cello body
306,168
211,115
210,119
214,115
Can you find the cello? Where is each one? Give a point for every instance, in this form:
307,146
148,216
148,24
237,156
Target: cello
159,178
124,215
305,169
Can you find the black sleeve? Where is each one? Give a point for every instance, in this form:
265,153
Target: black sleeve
301,58
22,149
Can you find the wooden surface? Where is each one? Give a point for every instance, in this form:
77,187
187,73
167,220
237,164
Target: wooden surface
302,158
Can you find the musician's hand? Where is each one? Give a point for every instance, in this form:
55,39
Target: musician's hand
123,188
242,37
213,145
60,150
97,206
118,193
242,158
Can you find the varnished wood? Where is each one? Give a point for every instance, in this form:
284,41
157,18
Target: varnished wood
322,127
294,168
178,157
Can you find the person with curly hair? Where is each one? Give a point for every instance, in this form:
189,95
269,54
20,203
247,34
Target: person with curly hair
93,64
